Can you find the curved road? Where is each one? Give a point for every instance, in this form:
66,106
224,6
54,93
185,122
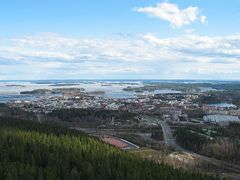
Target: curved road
170,140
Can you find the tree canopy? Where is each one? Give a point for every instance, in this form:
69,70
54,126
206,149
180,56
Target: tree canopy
29,150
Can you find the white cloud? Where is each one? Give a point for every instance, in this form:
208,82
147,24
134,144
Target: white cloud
173,14
54,56
200,46
203,19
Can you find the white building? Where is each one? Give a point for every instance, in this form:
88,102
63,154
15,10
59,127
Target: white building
220,119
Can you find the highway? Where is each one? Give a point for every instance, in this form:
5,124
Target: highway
168,136
170,141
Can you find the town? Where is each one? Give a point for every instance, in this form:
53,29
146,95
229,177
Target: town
186,128
175,107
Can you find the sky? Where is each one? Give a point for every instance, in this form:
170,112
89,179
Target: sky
120,39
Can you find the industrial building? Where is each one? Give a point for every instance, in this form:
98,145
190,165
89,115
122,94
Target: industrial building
221,119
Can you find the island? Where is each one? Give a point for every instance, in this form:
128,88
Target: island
37,92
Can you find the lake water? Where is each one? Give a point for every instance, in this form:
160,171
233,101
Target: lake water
10,90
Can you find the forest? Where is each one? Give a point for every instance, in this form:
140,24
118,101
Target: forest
222,143
213,97
30,150
90,117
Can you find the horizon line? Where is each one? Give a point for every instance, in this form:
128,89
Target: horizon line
119,79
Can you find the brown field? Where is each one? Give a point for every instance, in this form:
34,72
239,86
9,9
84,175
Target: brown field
115,142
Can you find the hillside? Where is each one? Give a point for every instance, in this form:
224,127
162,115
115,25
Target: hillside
29,150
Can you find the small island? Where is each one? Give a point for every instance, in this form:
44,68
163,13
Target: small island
15,85
37,92
65,84
67,90
96,92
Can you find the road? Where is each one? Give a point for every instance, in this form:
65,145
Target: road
99,134
170,140
168,136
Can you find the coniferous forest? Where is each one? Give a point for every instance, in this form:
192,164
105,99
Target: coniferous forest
223,145
29,150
